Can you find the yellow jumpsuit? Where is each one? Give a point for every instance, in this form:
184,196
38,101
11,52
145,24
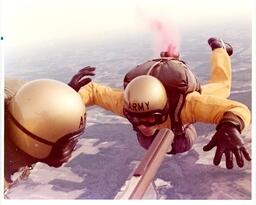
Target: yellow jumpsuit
207,107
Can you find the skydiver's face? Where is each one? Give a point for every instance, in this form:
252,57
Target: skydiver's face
62,150
148,131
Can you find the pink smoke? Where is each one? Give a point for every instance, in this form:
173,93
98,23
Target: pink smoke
166,37
165,31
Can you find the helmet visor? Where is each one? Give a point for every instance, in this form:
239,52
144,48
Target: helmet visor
63,148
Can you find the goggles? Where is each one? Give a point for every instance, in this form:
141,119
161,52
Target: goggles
148,119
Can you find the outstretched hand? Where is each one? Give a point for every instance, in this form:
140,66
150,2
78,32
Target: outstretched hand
78,79
228,141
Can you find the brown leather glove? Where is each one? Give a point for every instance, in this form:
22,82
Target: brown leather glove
78,79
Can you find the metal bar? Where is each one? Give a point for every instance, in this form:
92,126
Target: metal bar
147,169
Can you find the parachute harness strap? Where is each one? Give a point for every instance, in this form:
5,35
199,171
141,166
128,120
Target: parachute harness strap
176,123
157,62
152,67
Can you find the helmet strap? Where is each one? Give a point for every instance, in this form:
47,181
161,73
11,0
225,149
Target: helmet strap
27,132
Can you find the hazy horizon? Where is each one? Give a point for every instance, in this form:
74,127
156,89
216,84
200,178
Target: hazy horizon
31,23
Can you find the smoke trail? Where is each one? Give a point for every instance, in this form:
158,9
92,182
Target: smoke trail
166,35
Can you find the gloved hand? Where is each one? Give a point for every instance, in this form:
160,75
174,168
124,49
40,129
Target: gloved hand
180,144
228,141
78,79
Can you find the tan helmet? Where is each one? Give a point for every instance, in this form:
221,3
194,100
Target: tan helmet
145,101
41,113
145,93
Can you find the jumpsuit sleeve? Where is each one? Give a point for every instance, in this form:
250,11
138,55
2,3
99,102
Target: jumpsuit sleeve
108,98
210,109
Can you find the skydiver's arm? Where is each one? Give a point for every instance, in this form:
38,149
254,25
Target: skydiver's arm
231,118
211,109
103,96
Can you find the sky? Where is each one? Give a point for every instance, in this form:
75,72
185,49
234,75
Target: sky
35,22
